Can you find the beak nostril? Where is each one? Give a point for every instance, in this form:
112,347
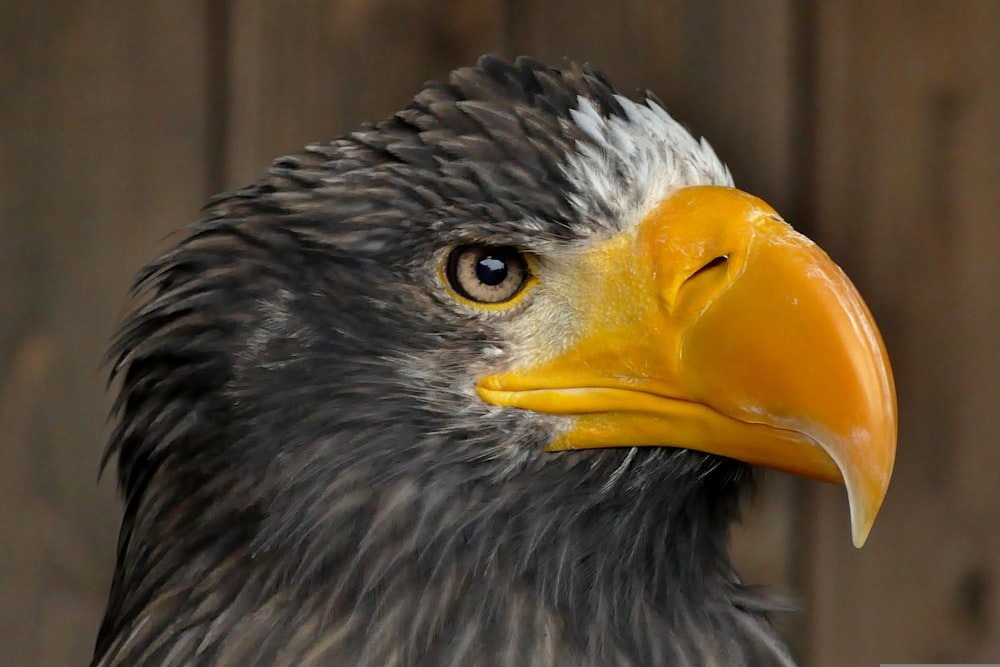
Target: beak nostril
711,264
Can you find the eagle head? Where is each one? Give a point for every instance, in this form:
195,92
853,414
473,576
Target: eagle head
480,384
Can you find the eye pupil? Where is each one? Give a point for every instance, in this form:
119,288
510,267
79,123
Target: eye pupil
491,271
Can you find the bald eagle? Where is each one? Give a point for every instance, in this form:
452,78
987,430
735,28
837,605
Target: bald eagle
480,385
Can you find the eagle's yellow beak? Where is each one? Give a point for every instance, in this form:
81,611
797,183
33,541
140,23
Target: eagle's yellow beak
714,326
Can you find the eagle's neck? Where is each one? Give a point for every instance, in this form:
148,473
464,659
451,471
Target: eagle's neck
631,572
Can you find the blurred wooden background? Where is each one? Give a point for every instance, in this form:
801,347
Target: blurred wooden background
874,125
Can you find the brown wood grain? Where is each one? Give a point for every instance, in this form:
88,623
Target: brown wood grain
316,69
906,196
103,116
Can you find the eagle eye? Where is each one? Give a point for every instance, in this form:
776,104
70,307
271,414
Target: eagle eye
486,274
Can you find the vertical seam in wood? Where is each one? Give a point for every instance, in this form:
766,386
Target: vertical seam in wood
803,161
217,44
804,111
508,24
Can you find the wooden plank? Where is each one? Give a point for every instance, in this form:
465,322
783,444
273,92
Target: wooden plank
316,72
724,69
635,42
906,198
106,155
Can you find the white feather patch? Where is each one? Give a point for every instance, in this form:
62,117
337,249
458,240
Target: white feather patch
635,162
